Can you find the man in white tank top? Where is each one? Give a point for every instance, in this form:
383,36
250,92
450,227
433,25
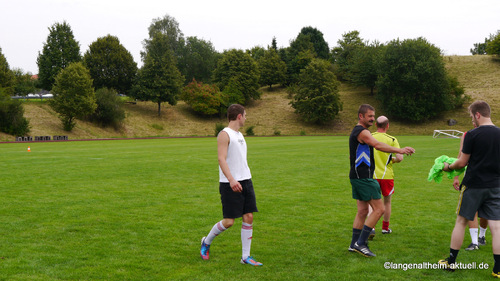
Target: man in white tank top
235,185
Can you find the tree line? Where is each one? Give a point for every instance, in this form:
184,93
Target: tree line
406,75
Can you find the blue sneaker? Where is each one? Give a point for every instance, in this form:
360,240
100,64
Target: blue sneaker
251,261
205,249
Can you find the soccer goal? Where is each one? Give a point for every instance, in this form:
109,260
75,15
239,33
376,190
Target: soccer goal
447,134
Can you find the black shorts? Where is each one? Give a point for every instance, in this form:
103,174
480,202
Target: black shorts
485,201
236,204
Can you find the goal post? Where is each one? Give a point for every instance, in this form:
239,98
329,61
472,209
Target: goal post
447,134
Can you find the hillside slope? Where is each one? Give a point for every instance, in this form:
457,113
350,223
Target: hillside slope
480,75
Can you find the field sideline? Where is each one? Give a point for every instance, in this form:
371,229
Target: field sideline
137,209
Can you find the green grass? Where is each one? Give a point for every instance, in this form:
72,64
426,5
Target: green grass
137,209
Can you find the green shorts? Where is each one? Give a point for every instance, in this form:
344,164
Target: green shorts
365,189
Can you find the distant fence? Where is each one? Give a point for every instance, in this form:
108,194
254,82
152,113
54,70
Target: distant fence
42,138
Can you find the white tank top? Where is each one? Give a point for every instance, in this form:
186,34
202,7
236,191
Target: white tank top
236,157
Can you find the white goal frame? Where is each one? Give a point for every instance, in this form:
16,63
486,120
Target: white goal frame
447,134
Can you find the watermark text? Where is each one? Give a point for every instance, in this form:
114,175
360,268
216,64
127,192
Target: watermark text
429,265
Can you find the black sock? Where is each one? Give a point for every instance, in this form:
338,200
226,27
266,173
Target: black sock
365,233
355,236
496,268
453,256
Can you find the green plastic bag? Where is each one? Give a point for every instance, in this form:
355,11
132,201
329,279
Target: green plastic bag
436,173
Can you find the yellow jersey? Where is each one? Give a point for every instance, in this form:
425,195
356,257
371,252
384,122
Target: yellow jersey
383,160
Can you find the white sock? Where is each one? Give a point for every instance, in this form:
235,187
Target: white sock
482,231
216,230
246,239
473,235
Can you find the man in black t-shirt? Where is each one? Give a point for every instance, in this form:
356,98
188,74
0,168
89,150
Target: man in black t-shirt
481,183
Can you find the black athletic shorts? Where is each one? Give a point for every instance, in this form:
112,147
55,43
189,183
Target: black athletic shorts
236,204
485,201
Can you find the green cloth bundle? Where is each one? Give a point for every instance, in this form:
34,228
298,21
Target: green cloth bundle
437,172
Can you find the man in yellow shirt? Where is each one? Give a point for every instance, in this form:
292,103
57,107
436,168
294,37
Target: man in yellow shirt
384,173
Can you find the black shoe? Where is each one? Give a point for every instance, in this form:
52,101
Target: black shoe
364,250
472,247
481,241
444,264
372,234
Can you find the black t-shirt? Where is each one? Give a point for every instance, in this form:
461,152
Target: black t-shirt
483,169
361,156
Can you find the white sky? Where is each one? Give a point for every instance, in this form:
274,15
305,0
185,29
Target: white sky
452,25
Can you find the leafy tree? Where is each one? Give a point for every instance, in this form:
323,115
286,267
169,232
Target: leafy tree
239,71
317,98
110,64
203,98
413,84
232,93
272,68
174,39
7,78
297,56
479,48
318,41
74,96
25,84
60,50
12,120
158,80
109,111
199,59
343,53
364,66
256,52
493,46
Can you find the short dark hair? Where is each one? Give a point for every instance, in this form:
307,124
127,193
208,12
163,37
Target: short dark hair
364,108
482,107
234,110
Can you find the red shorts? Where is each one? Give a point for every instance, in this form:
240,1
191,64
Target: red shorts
386,186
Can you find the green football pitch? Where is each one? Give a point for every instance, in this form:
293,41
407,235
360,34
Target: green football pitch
137,209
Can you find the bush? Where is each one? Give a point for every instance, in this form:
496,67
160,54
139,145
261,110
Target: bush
157,127
109,110
12,119
457,93
203,98
218,127
493,46
249,131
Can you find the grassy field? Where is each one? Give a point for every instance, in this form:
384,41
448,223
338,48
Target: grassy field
137,209
272,113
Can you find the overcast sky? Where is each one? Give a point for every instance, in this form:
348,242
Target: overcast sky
452,25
